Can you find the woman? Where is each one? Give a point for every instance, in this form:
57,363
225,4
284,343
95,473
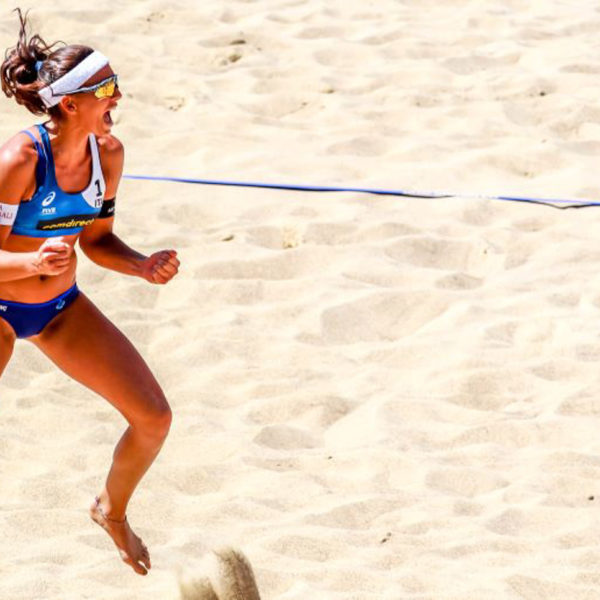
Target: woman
58,185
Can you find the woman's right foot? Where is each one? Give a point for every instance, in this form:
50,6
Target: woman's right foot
131,548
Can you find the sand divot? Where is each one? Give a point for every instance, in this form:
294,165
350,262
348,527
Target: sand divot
223,574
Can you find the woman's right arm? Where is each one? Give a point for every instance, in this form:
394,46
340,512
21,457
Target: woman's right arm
17,172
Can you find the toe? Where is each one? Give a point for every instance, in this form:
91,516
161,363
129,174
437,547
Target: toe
146,558
136,566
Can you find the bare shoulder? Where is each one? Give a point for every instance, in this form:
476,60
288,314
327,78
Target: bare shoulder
112,156
18,159
18,154
110,146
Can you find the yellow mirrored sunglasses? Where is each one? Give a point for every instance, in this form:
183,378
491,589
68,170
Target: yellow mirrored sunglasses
104,89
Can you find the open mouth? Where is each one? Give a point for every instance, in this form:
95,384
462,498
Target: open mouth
107,118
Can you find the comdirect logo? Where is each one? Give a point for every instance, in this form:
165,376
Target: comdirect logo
65,223
49,199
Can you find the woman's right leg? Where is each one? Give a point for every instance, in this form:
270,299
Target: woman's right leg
89,348
7,343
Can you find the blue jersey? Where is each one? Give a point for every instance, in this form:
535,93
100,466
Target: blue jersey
51,212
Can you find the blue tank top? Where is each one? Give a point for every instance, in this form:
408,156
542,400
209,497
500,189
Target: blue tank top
51,212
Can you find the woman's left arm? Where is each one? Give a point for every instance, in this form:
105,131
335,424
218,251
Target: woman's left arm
106,249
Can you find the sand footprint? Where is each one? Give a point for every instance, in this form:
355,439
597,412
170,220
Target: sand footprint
399,315
276,238
225,574
459,281
473,63
432,252
174,103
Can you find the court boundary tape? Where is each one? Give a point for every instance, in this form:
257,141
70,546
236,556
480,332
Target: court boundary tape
559,203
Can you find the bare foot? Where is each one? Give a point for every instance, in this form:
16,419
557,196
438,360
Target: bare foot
131,548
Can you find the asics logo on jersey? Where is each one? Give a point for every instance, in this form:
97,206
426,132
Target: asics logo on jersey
3,307
60,304
49,199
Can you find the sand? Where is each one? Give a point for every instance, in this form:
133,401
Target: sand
375,398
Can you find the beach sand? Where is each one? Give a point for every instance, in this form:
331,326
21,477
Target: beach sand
375,398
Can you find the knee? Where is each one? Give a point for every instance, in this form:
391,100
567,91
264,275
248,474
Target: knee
161,419
156,420
7,337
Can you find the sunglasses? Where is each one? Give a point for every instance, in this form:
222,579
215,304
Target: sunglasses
104,89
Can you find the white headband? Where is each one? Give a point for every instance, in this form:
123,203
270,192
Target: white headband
74,79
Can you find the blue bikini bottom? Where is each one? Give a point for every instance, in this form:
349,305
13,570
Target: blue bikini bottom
29,319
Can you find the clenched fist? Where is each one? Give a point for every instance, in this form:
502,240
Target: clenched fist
53,257
160,267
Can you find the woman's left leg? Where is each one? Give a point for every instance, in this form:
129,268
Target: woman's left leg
7,343
89,348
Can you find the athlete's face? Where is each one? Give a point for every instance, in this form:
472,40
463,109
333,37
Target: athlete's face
95,113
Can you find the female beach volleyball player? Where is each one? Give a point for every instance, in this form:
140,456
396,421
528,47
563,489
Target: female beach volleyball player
58,183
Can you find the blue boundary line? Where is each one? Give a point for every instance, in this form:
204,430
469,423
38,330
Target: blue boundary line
551,202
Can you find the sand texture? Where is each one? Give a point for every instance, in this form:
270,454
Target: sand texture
374,398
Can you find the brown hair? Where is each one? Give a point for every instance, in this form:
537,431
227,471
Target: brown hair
22,80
